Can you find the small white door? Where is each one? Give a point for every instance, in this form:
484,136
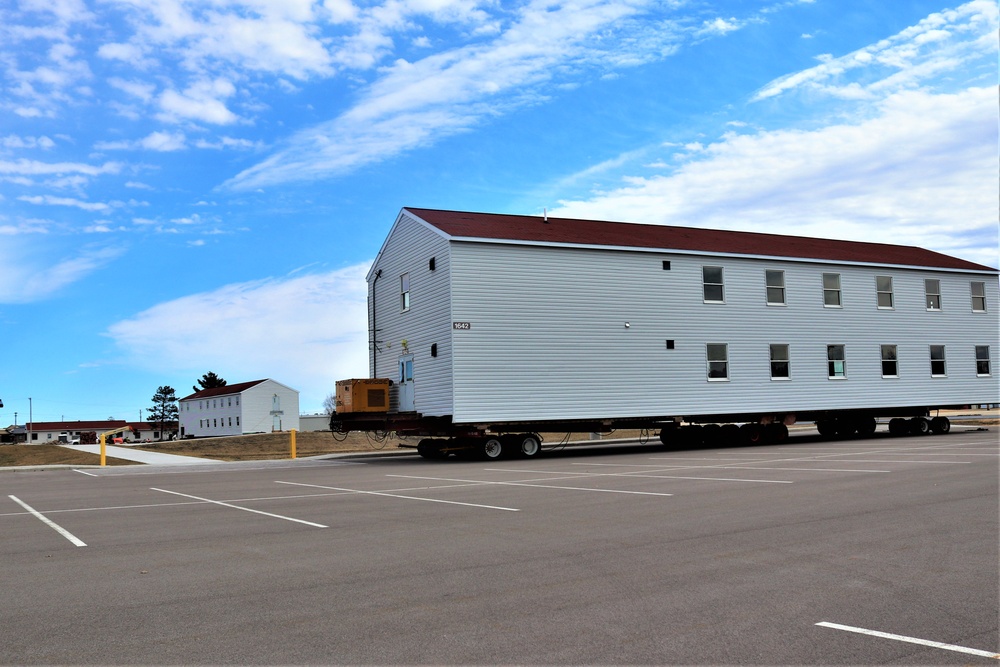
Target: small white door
406,383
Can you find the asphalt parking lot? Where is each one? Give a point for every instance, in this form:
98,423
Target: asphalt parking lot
878,551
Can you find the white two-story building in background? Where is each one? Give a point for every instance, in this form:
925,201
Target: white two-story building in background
260,406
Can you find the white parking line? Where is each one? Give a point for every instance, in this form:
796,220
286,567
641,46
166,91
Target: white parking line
49,522
725,467
245,509
396,495
88,474
911,640
534,485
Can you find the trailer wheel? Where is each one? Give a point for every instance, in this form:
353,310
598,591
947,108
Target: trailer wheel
752,434
919,426
940,425
491,449
867,426
846,427
712,434
730,434
776,432
826,427
428,449
898,426
531,445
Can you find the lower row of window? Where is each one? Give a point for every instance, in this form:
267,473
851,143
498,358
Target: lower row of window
215,422
717,355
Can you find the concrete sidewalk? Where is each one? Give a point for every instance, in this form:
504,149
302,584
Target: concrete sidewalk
141,456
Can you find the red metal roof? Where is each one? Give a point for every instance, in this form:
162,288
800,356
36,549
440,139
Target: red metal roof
228,390
534,229
105,425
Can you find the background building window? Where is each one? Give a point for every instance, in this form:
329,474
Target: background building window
779,362
831,290
883,288
939,367
982,360
979,297
718,361
932,290
836,361
775,281
890,362
712,281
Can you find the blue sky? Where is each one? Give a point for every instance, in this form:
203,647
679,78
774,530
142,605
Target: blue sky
201,186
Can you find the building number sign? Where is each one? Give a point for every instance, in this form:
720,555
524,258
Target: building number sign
461,325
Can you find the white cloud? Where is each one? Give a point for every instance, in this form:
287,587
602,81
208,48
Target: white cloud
720,26
36,168
306,332
50,200
922,171
200,101
28,274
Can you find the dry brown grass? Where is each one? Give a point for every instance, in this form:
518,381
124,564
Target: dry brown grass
310,443
40,455
273,445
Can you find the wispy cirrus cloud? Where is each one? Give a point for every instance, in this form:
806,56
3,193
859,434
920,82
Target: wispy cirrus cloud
942,42
415,103
27,275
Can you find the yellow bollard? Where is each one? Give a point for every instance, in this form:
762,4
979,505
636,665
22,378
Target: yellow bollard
103,451
293,443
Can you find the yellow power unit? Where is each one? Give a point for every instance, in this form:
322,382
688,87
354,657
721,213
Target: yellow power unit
371,395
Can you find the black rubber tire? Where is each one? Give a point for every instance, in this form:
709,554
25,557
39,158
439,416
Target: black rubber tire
826,427
491,448
712,435
776,432
753,434
898,426
867,426
529,445
846,427
730,435
919,426
940,425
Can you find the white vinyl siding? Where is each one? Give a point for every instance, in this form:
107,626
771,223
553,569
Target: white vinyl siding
408,250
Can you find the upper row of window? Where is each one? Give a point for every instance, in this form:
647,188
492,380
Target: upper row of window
713,285
211,404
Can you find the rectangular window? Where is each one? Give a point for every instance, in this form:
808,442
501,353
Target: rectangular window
982,360
718,361
215,423
831,290
200,424
779,362
711,277
836,361
890,362
404,292
932,291
237,420
883,288
939,367
230,421
978,297
775,281
230,401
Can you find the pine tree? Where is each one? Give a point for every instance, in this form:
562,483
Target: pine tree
209,381
164,408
